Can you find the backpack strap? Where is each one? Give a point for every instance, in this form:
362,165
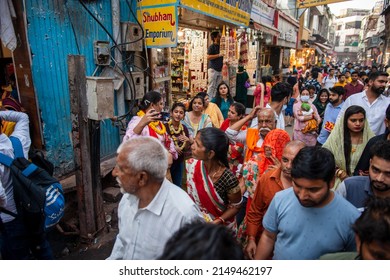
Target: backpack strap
17,145
2,209
29,169
6,160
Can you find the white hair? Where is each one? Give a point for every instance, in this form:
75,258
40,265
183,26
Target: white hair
147,154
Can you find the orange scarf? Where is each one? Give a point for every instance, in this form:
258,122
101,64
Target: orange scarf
252,137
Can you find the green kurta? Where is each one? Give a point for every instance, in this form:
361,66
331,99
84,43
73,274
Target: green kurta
241,90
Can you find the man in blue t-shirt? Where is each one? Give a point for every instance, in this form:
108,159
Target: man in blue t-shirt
358,189
214,65
308,220
331,112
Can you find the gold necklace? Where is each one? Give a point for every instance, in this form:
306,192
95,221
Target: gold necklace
153,125
178,131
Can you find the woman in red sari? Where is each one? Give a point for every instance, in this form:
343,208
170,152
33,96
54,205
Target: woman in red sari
210,182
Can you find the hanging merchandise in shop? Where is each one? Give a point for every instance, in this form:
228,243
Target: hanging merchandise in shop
189,61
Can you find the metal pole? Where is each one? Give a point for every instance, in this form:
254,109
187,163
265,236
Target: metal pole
259,39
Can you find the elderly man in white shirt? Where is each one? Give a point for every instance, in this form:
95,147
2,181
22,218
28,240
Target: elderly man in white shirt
152,209
373,101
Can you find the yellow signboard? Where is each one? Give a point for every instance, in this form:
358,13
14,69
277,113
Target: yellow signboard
235,11
301,4
146,3
160,25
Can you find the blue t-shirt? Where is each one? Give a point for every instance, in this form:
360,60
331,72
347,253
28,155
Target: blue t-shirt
306,233
330,117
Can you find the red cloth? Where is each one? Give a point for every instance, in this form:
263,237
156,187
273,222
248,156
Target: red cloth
350,89
225,125
208,198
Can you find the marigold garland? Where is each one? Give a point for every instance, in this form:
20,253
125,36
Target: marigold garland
153,125
173,131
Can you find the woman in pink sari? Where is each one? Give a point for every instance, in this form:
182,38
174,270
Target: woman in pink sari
210,182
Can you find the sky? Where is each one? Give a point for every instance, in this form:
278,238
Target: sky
358,4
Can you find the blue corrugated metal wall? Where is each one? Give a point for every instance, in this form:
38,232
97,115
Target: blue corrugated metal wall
56,29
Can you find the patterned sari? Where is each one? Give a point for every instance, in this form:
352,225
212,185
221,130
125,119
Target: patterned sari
258,163
202,191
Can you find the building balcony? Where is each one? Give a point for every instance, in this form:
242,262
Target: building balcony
372,42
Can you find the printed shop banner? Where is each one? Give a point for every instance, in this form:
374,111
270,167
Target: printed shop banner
160,25
235,11
145,3
311,3
262,13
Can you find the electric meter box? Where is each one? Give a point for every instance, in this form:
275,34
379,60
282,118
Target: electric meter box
138,91
101,52
100,97
132,36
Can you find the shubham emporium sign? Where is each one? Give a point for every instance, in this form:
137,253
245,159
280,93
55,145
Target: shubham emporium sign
160,25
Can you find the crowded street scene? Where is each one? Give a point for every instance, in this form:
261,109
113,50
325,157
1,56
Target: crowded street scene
195,130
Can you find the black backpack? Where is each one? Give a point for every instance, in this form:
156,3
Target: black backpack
38,196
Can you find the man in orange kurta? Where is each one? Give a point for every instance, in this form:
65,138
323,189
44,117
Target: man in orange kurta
270,183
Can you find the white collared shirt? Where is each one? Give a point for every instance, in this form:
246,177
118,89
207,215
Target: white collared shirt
22,132
375,112
143,232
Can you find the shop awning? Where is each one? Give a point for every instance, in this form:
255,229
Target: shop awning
323,47
266,29
320,52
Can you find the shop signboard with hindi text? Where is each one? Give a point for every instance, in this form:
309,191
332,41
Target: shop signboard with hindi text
160,24
311,3
262,13
233,11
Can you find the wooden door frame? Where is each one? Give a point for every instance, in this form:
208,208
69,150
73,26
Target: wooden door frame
22,65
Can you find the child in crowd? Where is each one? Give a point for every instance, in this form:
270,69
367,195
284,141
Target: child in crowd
311,125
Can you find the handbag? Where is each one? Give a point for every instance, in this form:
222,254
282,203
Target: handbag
247,84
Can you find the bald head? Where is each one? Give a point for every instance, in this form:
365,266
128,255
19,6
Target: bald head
289,152
266,121
295,144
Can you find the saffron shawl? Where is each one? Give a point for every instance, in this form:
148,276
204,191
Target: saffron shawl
335,143
276,139
252,137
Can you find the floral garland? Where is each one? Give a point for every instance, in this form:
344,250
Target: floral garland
153,125
178,131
